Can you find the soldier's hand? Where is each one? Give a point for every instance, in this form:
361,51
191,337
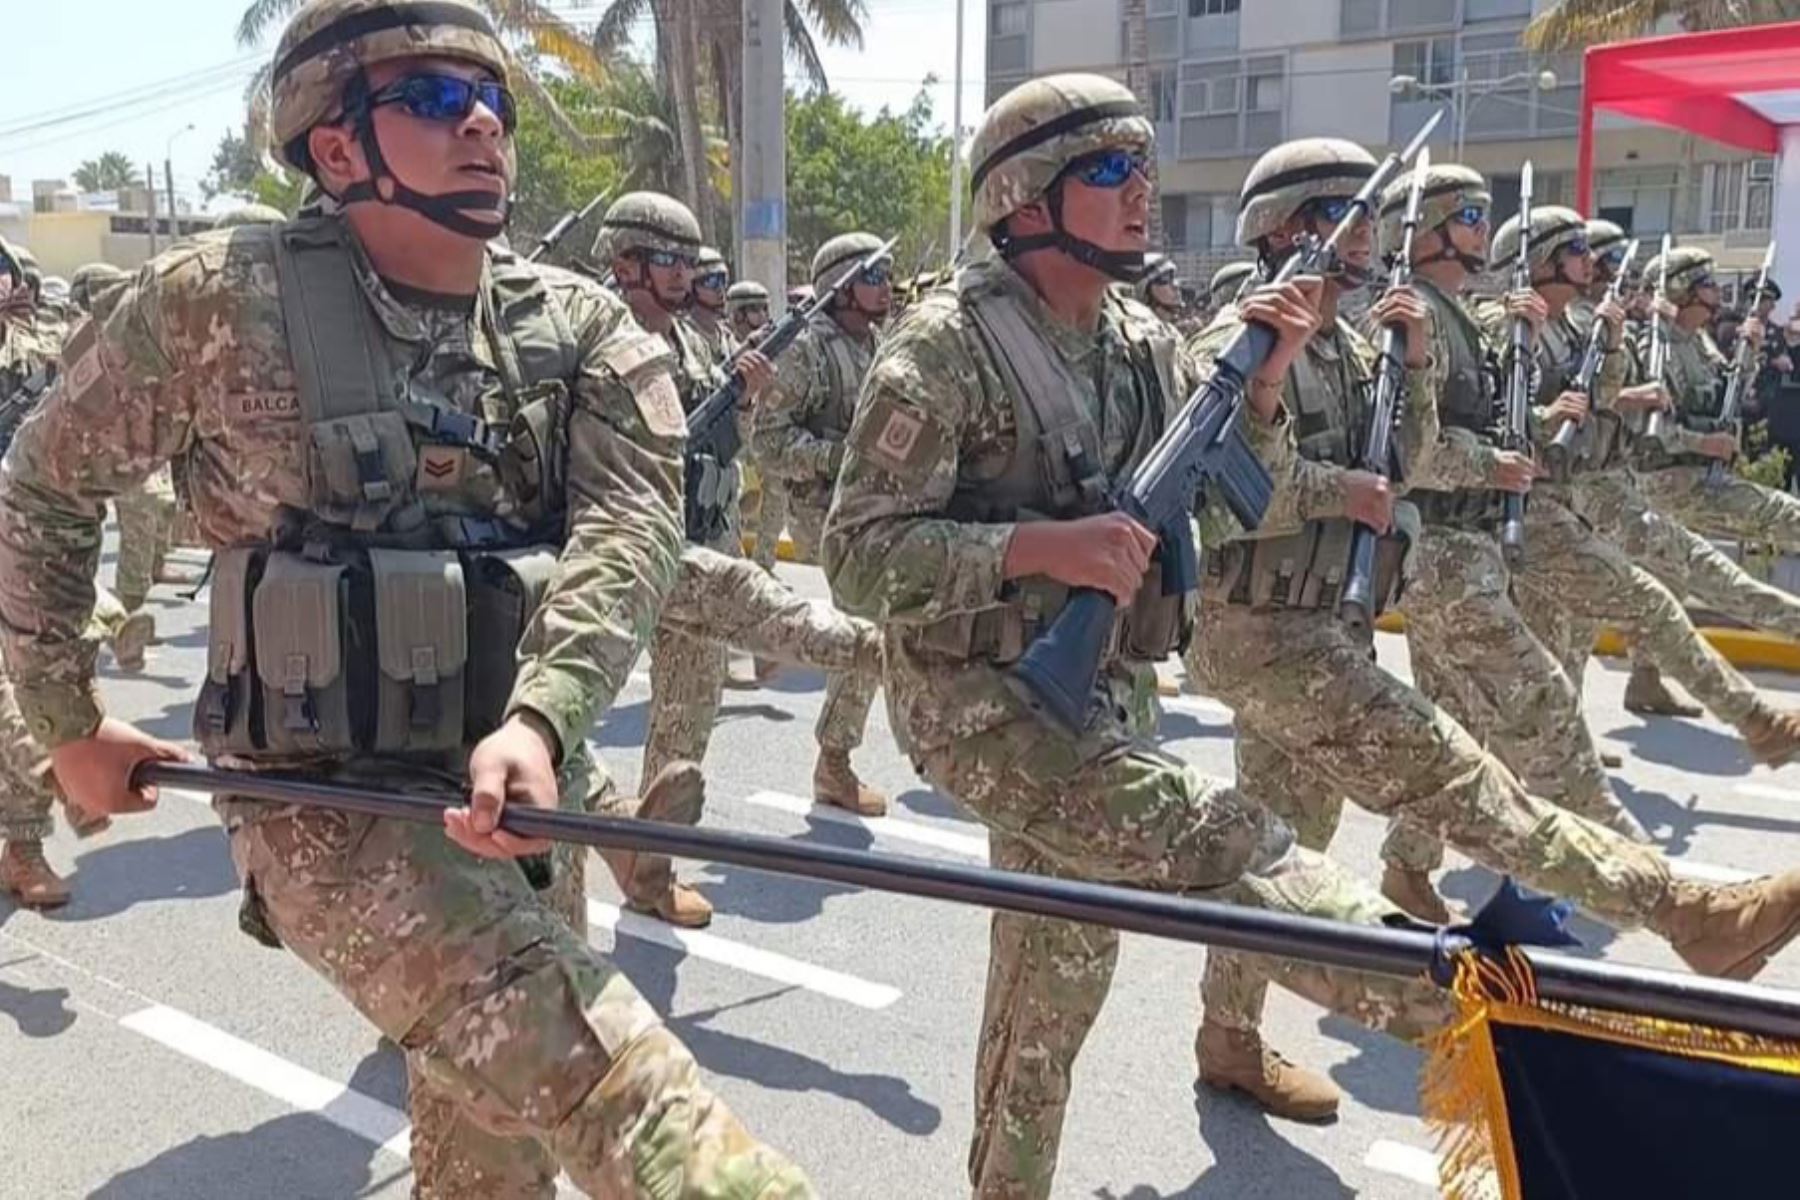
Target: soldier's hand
1368,498
1109,552
1753,330
1513,472
1406,309
1664,309
1722,446
1643,397
1613,313
94,772
756,369
1783,363
511,765
1570,406
1292,311
1531,306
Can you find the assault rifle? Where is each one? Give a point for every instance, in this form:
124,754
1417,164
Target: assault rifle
713,441
21,398
1657,360
1357,605
1202,447
1740,375
1516,435
1562,447
566,222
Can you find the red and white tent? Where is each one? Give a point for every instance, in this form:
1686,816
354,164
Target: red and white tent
1740,87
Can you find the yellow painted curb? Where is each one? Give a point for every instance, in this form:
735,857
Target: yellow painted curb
784,549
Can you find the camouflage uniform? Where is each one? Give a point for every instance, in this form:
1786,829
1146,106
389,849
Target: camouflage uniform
1316,717
146,523
938,466
766,520
526,1049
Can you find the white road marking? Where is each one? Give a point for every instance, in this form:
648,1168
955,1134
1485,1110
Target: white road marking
766,963
350,1110
1768,791
1408,1162
1198,705
1708,872
909,831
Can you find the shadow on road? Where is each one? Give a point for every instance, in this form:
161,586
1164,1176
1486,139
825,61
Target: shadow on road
300,1156
111,878
1177,724
929,802
38,1012
1684,745
1250,1160
1384,1075
1474,886
783,900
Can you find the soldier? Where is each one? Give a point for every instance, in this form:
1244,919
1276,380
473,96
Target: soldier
1160,289
365,344
707,309
1023,390
651,242
1316,717
1223,288
250,214
93,283
746,309
1472,650
798,432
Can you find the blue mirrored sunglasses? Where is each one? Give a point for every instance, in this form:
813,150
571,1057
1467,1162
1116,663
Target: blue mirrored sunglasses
712,280
667,258
1108,168
877,274
1612,258
1470,215
448,98
1575,246
1701,281
1331,209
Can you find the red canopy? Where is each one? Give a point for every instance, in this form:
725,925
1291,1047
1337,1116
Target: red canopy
1737,86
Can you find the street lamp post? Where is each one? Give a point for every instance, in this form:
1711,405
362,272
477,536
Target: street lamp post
169,179
1465,93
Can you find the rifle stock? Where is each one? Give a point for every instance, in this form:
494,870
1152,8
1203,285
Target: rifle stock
1656,425
1517,433
1735,382
1559,454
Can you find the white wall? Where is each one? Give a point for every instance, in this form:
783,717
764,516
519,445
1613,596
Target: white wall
1265,23
1073,33
1341,91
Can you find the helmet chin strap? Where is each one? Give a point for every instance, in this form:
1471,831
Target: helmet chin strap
1127,266
1473,264
1347,275
451,210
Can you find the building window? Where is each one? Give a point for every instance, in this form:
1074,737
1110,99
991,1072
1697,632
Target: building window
1211,8
1430,62
1642,201
1232,106
1163,94
1363,17
1008,45
1009,18
1175,221
1739,196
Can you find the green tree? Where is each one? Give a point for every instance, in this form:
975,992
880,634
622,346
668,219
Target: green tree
238,170
888,174
1572,24
110,172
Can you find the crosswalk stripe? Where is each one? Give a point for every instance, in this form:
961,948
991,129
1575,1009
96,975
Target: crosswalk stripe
742,957
910,831
1768,791
1407,1162
1198,705
1708,872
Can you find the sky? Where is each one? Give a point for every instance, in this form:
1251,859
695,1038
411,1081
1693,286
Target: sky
123,75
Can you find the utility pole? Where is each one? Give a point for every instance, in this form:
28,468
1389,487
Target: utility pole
956,163
763,201
150,189
169,178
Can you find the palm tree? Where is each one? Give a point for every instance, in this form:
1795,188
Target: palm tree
1573,24
109,172
538,25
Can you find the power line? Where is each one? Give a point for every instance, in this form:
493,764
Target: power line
194,83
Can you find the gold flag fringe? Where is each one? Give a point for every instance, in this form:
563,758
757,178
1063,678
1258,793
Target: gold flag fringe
1460,1090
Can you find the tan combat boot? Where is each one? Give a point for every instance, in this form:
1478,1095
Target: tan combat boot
1236,1060
675,797
1772,735
1413,894
27,875
835,783
134,637
1729,929
1647,695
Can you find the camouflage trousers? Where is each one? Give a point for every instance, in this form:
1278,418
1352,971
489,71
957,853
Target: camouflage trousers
1686,563
146,527
1476,657
765,516
1736,508
1317,719
848,694
1115,809
526,1050
718,602
28,791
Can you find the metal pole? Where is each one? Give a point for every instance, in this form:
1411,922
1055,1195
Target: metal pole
169,178
150,181
956,164
1400,952
1462,112
764,180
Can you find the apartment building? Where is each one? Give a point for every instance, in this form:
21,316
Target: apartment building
1230,78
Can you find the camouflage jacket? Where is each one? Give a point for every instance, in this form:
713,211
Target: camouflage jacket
192,363
936,416
801,422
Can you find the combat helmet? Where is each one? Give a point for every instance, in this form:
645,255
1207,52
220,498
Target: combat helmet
91,279
1228,281
1553,228
321,74
1031,136
1688,266
647,221
1158,269
30,274
1449,188
829,260
1605,237
250,214
1289,177
745,293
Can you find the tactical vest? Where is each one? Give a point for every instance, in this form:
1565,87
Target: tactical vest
384,618
1467,402
1327,389
1057,472
710,487
844,362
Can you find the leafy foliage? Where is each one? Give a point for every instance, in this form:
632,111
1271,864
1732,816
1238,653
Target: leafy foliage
109,172
1572,24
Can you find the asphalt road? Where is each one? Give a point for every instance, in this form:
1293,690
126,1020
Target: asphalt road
150,1050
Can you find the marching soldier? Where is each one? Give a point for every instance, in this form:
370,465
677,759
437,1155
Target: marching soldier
707,312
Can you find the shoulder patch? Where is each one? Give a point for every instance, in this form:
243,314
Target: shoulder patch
627,353
897,436
86,370
658,403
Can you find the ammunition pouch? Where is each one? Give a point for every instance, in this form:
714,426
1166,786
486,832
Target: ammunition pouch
1305,571
533,461
709,497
